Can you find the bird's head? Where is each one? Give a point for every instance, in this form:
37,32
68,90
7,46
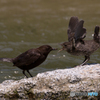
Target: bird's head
65,46
45,49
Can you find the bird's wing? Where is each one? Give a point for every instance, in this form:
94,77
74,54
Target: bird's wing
80,32
26,58
72,27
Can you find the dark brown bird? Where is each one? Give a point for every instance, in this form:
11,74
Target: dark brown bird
30,59
76,45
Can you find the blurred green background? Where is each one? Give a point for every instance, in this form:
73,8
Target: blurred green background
26,24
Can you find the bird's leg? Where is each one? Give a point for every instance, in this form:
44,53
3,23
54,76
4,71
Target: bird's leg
29,73
87,58
24,73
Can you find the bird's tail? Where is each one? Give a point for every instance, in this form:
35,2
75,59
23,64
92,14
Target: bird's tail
6,59
96,36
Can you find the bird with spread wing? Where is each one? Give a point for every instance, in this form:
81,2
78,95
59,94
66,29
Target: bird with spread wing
76,44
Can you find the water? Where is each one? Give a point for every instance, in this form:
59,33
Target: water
26,24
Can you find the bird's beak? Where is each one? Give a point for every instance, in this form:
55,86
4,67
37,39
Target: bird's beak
54,49
60,50
61,45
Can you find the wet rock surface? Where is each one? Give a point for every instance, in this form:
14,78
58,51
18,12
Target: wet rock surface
54,85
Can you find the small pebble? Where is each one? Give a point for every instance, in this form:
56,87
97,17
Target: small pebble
64,56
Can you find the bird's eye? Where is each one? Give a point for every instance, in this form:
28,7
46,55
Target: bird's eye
65,45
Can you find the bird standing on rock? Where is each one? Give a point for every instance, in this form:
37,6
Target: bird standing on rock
76,45
30,59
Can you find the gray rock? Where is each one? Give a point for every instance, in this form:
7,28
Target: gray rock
55,84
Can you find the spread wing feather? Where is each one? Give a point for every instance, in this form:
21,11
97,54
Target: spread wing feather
80,32
76,31
72,27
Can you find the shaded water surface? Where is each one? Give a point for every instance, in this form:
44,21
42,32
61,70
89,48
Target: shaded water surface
26,24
